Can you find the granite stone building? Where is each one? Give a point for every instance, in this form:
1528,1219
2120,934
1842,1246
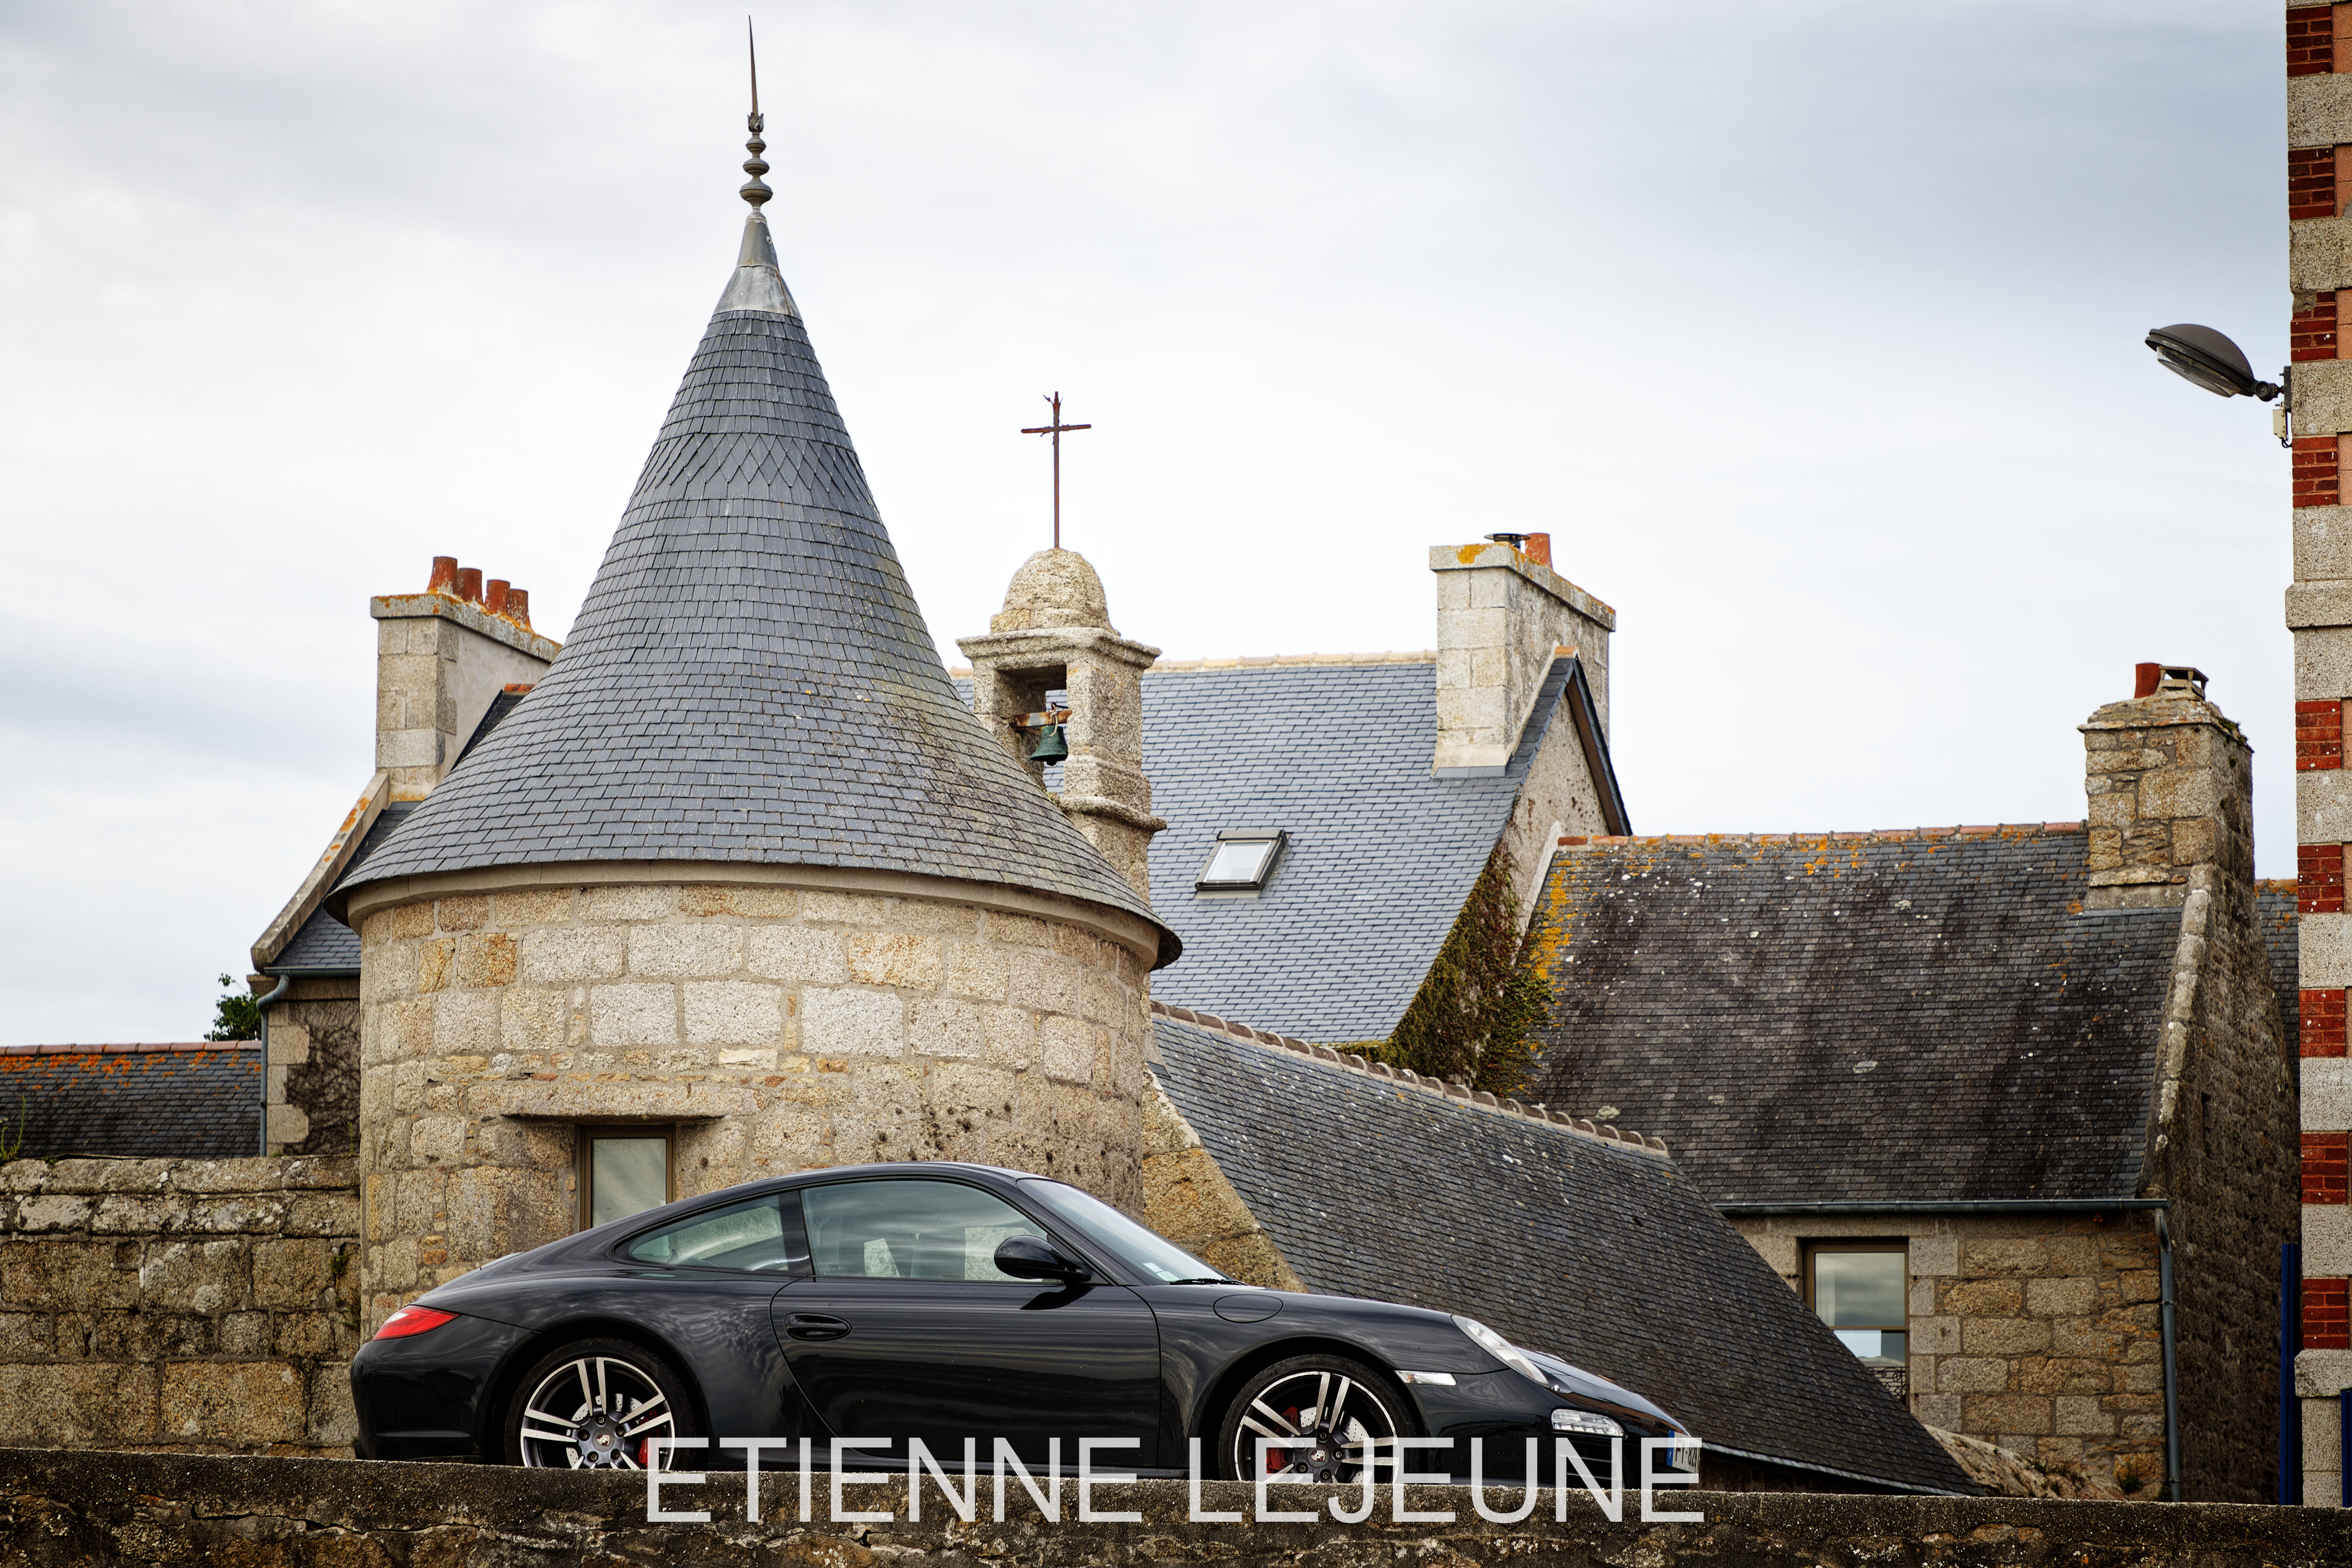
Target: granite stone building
2013,1108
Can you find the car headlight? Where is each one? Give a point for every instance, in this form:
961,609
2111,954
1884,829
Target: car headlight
1586,1422
1501,1349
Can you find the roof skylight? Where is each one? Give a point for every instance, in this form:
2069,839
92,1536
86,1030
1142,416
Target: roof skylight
1240,860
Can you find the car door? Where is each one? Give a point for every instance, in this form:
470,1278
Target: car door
907,1329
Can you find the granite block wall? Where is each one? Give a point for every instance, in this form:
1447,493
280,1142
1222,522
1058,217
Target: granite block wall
179,1305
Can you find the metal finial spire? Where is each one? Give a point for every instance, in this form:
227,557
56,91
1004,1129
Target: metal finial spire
755,191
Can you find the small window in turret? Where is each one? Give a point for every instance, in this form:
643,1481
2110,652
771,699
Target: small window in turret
1242,860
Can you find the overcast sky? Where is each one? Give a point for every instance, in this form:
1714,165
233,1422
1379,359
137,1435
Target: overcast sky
1810,332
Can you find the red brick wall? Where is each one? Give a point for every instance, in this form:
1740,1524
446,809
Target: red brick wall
2310,41
2315,470
2327,1315
2312,333
2323,1167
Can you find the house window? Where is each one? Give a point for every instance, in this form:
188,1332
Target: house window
1240,860
623,1171
1858,1288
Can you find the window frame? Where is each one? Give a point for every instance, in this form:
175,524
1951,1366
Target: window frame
584,1135
1900,1245
1057,1234
1277,837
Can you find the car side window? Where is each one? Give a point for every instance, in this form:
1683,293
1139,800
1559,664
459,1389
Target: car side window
910,1230
761,1237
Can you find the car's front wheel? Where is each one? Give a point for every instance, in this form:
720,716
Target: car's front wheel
1322,1417
596,1405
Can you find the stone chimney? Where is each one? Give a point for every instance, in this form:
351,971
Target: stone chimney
2170,782
1055,635
441,657
1503,614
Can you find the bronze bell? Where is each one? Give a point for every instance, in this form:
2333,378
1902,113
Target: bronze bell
1051,747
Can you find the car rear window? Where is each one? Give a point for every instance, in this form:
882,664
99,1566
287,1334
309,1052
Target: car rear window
752,1237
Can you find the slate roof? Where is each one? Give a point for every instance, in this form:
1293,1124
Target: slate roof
1606,1257
2275,901
1857,1016
198,1102
1380,854
750,678
325,945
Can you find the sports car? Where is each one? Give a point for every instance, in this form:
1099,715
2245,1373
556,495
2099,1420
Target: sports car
944,1302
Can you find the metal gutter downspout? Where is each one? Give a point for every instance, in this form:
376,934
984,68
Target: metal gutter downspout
262,1007
2171,1373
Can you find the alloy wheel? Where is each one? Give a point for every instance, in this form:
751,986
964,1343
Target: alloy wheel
596,1413
1322,1423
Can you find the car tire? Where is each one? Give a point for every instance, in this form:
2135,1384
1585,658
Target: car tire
596,1405
1290,1399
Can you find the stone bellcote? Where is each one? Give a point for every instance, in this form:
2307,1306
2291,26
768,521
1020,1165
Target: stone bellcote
1055,635
2170,782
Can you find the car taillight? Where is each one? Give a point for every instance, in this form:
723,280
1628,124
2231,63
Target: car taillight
412,1320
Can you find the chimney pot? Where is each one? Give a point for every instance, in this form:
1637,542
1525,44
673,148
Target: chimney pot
517,608
469,584
2148,677
493,596
444,576
1538,549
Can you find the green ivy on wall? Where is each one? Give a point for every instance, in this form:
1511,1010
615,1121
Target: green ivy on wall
1472,1018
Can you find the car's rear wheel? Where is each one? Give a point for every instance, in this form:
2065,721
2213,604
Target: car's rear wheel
1322,1417
596,1405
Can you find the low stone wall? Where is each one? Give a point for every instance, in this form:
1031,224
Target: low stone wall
179,1305
60,1508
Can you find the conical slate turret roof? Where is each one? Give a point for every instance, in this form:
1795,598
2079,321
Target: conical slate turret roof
750,678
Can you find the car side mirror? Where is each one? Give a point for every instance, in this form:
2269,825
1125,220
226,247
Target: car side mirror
1029,1257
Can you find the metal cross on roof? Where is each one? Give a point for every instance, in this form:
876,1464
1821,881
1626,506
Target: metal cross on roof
1055,430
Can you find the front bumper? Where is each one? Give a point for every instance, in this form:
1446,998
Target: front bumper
1502,1410
433,1395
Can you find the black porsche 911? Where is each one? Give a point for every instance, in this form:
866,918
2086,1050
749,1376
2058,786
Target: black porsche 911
945,1301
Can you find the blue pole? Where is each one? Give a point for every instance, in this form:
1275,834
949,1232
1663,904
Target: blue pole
2290,1414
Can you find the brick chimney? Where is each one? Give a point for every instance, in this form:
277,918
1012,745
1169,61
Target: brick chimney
2170,782
441,657
1502,613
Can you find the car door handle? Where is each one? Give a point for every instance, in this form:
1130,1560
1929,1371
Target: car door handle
815,1326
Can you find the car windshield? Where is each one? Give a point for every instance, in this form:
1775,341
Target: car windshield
1147,1254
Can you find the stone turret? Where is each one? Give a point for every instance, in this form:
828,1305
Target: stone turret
2171,781
1055,635
741,888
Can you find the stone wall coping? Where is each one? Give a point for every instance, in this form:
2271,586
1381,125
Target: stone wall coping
98,1508
1445,1089
1138,936
130,1048
256,1174
1821,840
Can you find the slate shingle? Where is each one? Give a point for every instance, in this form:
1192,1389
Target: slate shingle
1611,1259
1828,1019
195,1101
750,678
325,945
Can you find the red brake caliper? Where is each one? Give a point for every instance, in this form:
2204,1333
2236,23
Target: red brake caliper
1277,1458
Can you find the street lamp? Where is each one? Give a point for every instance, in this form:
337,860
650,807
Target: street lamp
2207,359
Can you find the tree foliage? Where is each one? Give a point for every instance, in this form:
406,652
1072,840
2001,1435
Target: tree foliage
236,1016
1472,1018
